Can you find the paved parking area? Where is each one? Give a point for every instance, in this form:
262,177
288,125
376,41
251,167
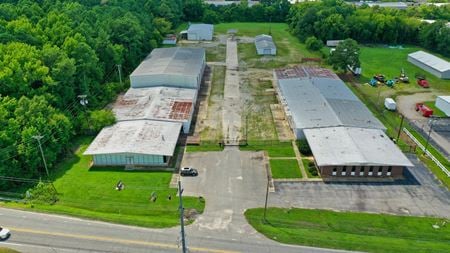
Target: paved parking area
231,182
419,194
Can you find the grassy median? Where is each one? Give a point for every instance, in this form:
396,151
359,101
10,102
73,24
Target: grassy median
379,233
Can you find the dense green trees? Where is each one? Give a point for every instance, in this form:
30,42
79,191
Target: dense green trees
54,50
345,55
335,19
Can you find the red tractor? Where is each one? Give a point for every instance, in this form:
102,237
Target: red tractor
422,81
424,110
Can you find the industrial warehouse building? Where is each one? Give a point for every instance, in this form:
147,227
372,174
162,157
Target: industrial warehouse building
443,103
430,63
172,67
344,136
157,103
152,113
135,143
264,45
199,32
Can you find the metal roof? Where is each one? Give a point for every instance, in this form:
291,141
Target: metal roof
445,98
431,60
173,61
160,103
342,146
201,27
317,100
304,103
264,41
146,137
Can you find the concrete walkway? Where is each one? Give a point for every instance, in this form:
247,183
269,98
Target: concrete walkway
299,160
231,104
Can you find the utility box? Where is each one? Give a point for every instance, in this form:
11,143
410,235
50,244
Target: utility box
390,104
443,103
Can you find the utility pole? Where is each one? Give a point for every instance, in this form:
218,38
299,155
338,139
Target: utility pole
83,99
267,197
119,68
38,138
428,138
400,128
183,239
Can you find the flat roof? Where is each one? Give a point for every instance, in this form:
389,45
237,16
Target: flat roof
146,137
264,41
316,97
431,60
173,61
159,103
340,146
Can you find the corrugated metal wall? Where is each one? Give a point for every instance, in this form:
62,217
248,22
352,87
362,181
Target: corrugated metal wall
128,159
182,81
425,67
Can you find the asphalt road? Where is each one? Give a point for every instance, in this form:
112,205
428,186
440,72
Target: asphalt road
43,233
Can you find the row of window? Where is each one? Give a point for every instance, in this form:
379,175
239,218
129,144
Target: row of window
371,171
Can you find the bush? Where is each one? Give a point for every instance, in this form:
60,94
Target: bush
303,147
312,168
42,193
314,44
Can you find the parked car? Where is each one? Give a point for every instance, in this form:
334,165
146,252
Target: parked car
424,110
4,233
188,171
423,82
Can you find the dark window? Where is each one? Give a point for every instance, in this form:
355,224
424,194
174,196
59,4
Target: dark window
164,159
380,169
344,169
389,169
371,169
334,169
353,168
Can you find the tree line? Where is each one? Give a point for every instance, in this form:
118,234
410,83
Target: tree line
335,19
52,51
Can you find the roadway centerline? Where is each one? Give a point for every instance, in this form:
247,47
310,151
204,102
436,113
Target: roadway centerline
116,240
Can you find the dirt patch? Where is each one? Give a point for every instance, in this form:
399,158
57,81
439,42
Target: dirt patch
406,104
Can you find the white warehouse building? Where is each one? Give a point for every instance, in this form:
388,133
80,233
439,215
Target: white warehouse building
430,63
135,143
157,103
264,45
443,103
172,67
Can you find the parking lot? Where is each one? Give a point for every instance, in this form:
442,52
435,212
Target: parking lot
230,181
420,194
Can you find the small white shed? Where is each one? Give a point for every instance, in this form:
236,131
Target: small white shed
200,32
443,103
264,45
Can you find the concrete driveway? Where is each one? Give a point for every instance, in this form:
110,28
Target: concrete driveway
231,182
419,195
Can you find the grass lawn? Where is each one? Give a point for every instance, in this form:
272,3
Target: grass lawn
285,168
203,147
352,231
306,165
390,61
273,148
7,250
436,111
90,192
289,48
